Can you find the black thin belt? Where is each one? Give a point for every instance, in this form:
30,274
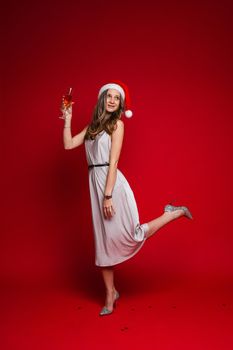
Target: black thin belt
92,165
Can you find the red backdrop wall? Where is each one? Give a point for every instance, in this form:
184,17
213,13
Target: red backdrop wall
176,58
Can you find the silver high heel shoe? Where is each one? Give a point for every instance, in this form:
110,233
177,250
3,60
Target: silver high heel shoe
170,207
105,310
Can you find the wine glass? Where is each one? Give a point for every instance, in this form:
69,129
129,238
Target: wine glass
66,103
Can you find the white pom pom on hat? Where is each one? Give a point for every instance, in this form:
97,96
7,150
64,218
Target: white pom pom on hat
128,113
123,90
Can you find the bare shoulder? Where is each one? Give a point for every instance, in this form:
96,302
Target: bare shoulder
119,125
118,133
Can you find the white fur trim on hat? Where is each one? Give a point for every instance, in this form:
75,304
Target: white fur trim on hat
112,86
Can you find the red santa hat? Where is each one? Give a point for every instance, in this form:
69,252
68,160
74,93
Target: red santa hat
123,90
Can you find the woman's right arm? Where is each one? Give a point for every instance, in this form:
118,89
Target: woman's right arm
69,141
72,142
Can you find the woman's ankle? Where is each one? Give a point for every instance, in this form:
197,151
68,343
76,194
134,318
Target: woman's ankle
110,290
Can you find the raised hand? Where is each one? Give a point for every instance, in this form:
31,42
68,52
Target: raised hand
66,109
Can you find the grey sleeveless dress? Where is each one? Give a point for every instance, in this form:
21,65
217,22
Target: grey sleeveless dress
120,237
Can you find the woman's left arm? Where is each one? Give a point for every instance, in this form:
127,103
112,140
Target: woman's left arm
117,141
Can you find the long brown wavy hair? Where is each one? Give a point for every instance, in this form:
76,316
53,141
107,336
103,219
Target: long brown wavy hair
102,120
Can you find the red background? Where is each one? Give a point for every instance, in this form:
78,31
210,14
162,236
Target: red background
176,58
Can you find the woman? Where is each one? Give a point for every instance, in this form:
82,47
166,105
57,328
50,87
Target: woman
117,230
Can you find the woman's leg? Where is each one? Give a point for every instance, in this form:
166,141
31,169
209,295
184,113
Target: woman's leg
162,220
108,277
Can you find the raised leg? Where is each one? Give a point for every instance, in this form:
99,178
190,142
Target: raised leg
162,220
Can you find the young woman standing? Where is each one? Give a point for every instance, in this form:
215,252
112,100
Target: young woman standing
118,233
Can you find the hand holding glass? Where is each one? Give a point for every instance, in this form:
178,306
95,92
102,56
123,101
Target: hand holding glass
66,105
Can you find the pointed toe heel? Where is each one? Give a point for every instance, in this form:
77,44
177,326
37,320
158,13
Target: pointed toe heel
105,311
170,207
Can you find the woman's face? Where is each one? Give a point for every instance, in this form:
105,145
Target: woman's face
112,102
